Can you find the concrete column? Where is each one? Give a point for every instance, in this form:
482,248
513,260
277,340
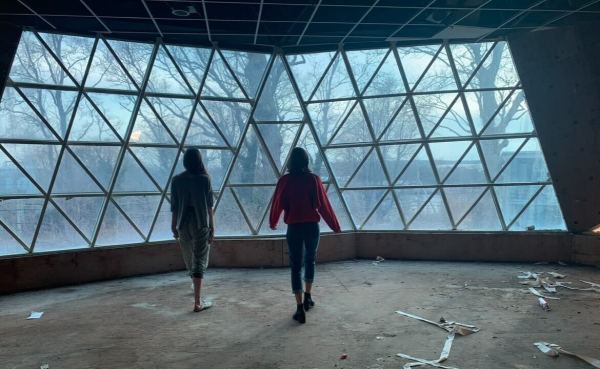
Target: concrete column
560,72
8,46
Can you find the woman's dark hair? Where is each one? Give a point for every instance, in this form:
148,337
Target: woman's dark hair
298,163
192,162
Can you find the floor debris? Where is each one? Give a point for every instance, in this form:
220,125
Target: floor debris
453,328
538,294
45,366
343,356
35,315
378,260
543,304
554,350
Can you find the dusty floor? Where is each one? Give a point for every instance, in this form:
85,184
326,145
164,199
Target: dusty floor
146,322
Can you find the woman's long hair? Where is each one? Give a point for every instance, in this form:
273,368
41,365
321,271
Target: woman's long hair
298,163
192,162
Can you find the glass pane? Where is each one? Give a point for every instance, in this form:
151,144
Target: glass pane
317,163
135,56
528,166
8,245
415,60
89,125
12,180
418,172
71,178
140,209
497,152
308,69
433,216
230,117
381,110
165,77
512,118
467,57
148,128
512,199
455,123
278,101
54,105
100,160
19,121
202,132
345,161
220,81
248,67
192,61
497,70
40,169
446,154
386,217
116,108
370,174
279,139
433,108
469,170
254,201
395,157
33,63
340,212
106,72
354,129
361,203
162,227
387,80
132,178
412,199
21,216
460,199
326,117
83,211
403,127
543,213
483,217
336,83
484,104
252,164
175,113
56,233
229,219
158,161
439,76
74,52
116,229
364,63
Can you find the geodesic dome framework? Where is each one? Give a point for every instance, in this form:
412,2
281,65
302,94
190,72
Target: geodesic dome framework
431,138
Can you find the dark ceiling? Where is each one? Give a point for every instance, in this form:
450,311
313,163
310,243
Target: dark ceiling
298,24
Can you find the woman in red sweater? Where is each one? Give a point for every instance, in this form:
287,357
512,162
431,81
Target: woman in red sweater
303,199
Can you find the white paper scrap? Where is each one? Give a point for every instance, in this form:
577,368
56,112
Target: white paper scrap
35,315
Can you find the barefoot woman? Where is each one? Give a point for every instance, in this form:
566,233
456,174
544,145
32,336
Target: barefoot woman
193,221
302,198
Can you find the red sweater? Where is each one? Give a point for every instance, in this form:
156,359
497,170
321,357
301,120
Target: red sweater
302,198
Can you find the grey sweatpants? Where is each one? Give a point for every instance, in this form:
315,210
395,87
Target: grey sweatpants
194,247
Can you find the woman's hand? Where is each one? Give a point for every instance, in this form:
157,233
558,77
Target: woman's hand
175,232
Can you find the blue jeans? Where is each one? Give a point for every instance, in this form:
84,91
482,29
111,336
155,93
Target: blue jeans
302,238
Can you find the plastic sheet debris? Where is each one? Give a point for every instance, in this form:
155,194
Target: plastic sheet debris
378,260
449,326
35,315
435,363
538,294
557,275
554,350
543,304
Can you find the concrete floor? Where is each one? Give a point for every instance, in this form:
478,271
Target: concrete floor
146,322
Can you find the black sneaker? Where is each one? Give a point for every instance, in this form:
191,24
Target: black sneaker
308,302
299,315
